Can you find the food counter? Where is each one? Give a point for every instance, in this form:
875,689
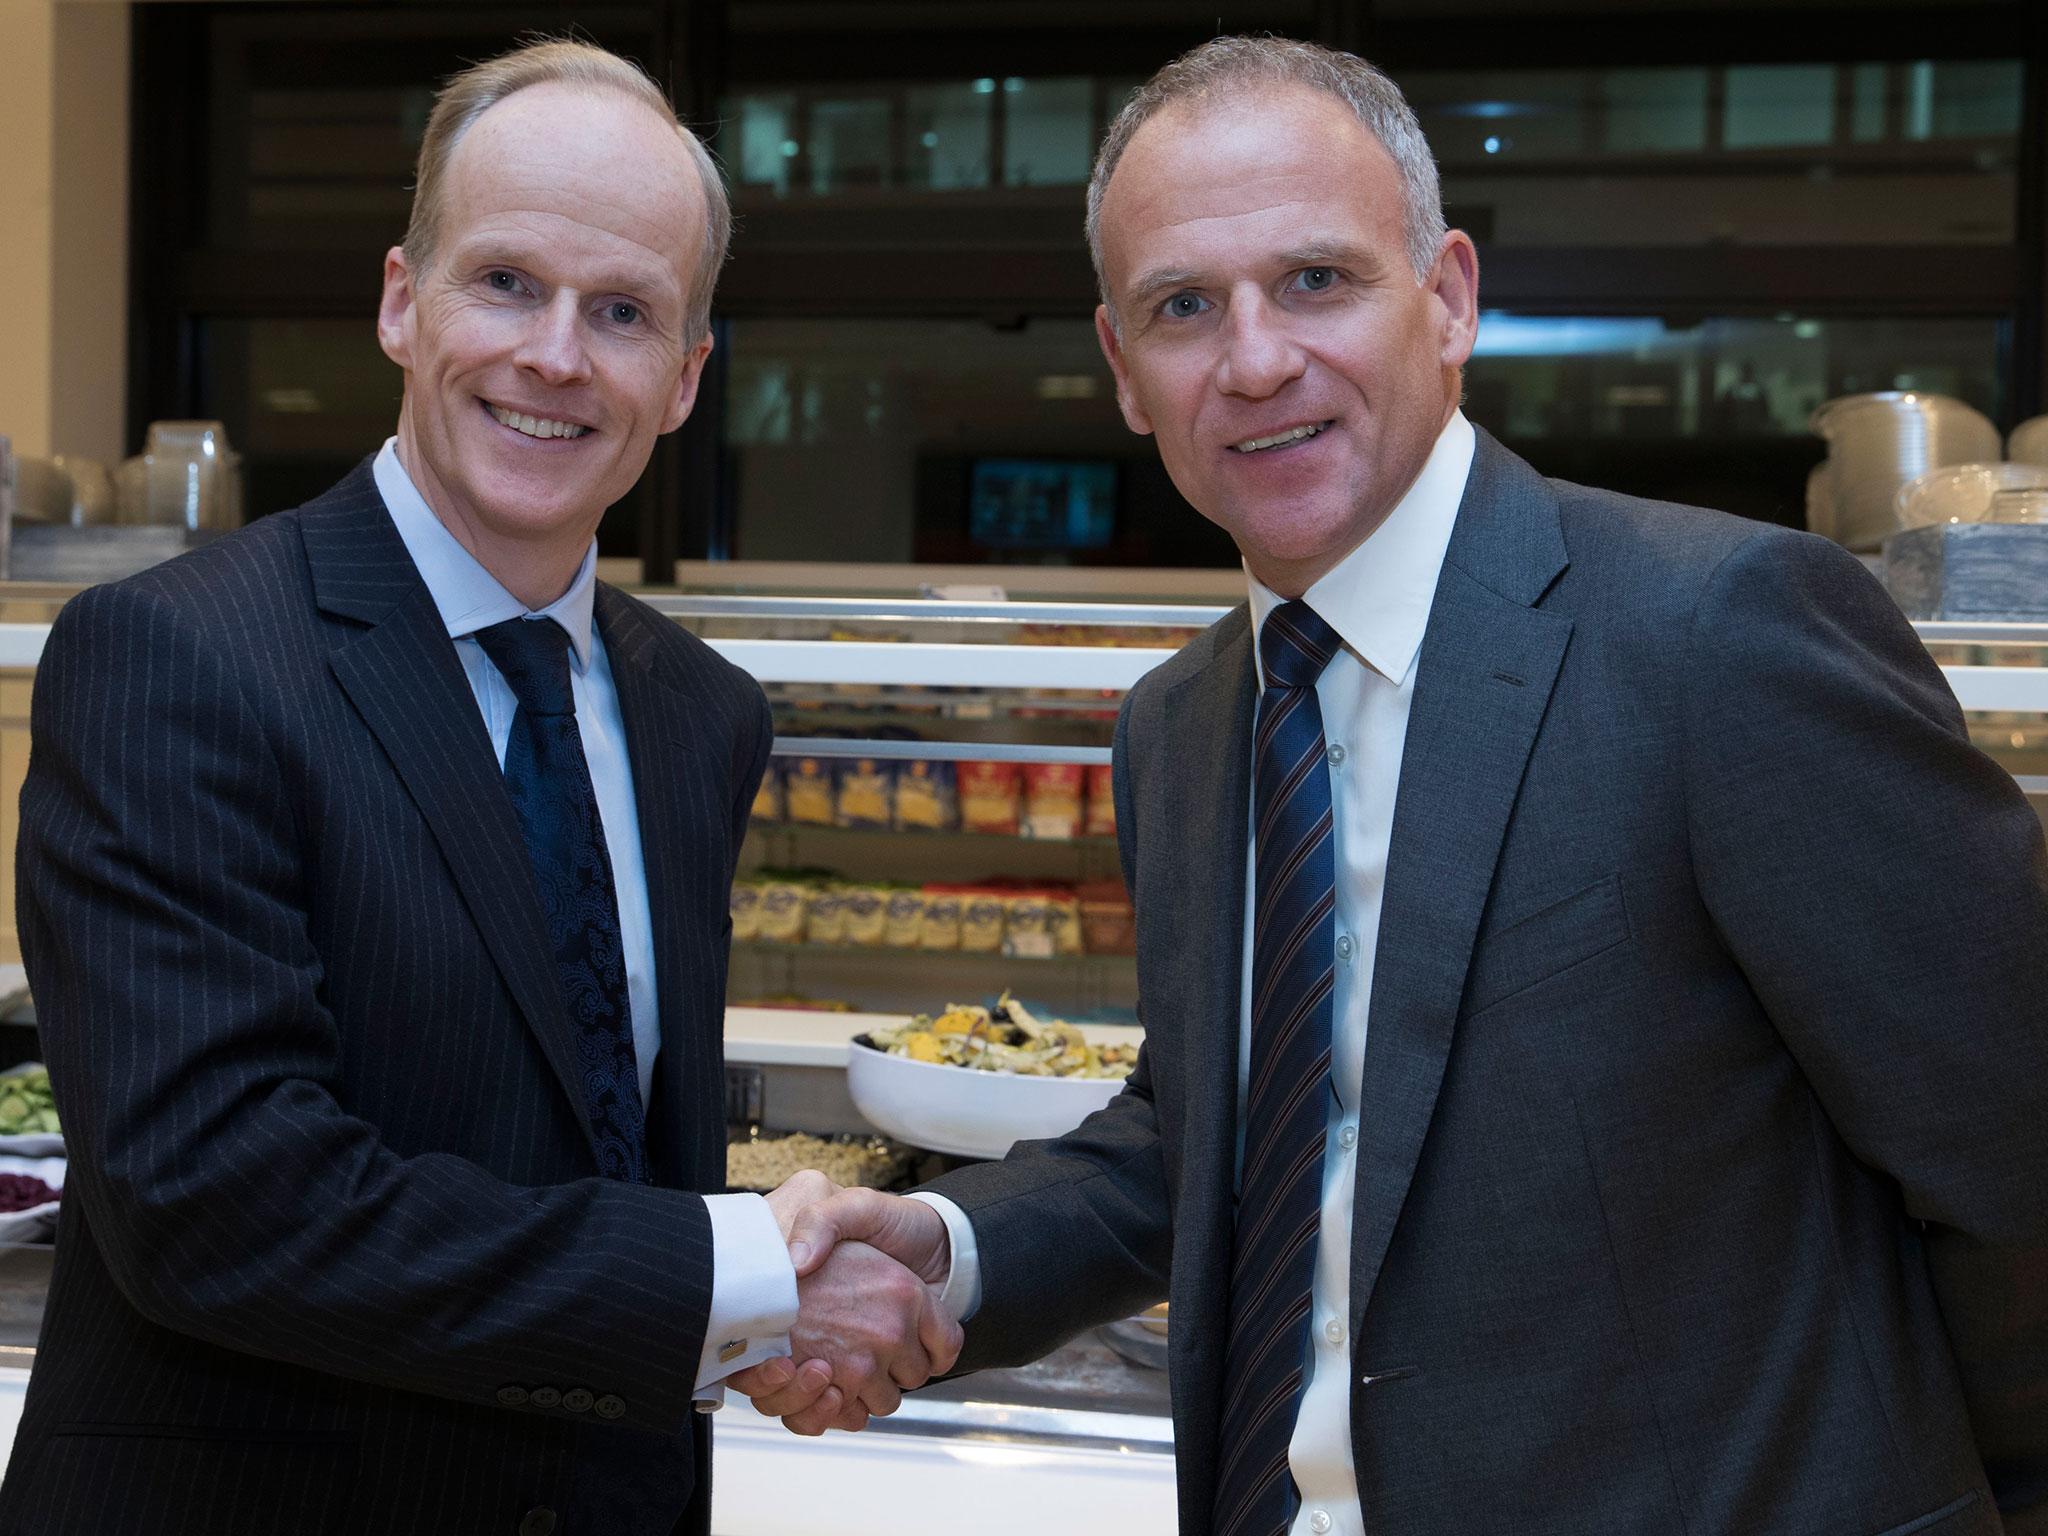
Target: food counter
905,730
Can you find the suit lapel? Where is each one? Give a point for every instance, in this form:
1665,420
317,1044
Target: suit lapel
1488,662
1205,760
669,777
403,677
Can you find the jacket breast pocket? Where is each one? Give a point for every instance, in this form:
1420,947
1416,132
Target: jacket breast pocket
1532,949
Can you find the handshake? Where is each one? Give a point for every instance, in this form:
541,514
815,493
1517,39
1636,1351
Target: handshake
870,1268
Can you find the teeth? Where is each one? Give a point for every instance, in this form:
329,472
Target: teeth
537,426
1291,435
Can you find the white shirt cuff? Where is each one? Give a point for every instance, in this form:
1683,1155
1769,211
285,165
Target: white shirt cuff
753,1292
961,1297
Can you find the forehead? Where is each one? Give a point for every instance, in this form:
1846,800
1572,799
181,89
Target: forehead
1253,169
580,176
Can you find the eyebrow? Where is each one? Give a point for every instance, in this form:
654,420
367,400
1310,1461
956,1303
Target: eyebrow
1159,280
1331,253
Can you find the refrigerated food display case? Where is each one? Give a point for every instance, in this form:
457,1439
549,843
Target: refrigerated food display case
1008,883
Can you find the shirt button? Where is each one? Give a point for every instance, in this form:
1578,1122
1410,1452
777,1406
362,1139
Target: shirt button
512,1397
1336,757
1334,1332
611,1407
1319,1521
1348,1137
578,1399
546,1397
1344,946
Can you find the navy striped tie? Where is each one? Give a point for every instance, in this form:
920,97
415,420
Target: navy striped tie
549,780
1280,1191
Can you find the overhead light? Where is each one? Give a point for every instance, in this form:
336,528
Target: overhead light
984,86
1492,145
1490,109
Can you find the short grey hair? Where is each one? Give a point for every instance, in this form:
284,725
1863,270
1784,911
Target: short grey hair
561,61
1227,65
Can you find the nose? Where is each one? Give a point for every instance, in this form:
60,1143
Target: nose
1260,356
553,344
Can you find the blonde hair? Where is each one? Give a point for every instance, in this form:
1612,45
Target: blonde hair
1227,64
558,61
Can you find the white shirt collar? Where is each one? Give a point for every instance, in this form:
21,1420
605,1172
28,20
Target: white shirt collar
468,597
1378,597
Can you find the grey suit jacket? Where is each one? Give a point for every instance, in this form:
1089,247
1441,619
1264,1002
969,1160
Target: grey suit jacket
334,1254
1703,1174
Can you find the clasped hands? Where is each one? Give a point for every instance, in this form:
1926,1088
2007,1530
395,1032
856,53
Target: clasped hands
869,1271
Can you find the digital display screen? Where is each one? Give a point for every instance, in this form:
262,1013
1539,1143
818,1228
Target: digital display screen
1042,503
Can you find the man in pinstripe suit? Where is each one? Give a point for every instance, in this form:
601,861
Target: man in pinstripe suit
371,1225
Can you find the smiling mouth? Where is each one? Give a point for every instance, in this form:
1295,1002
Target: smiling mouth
1281,439
535,426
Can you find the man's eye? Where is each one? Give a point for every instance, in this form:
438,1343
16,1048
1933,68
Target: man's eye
623,313
1182,305
1316,279
502,281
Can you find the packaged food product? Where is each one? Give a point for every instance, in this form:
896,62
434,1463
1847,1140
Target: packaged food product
768,798
1027,928
807,791
784,901
1063,921
745,908
1052,800
927,798
1107,927
866,792
1100,819
982,910
989,796
825,920
903,918
867,913
941,928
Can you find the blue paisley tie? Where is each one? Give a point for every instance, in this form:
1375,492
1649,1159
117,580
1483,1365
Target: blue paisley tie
1287,1100
549,781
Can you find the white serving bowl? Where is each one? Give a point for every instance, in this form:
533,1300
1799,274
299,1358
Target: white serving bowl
969,1113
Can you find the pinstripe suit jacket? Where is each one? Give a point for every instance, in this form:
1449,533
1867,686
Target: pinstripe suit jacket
1702,1177
333,1221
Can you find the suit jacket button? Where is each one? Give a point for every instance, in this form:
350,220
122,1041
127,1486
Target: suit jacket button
578,1399
539,1521
611,1407
512,1397
546,1397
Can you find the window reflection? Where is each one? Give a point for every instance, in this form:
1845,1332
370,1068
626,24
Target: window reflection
1912,153
1049,132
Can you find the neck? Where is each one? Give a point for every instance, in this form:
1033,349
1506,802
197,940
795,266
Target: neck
536,571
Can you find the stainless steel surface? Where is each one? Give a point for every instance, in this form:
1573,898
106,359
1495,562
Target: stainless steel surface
928,610
936,751
1877,442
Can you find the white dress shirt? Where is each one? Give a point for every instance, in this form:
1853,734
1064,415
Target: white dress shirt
753,1288
1377,599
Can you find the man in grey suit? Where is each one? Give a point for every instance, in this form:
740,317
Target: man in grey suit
374,865
1595,1076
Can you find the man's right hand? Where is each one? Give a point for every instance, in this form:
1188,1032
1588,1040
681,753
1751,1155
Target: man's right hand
869,1269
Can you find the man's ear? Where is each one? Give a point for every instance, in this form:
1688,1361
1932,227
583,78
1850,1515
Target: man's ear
396,308
1113,349
686,386
1455,282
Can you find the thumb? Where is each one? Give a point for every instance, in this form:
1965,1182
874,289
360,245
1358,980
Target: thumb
940,1335
852,1215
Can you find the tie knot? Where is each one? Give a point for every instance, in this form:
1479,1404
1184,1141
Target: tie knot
533,654
1295,646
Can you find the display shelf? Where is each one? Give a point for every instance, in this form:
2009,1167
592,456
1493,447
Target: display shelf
901,953
916,834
